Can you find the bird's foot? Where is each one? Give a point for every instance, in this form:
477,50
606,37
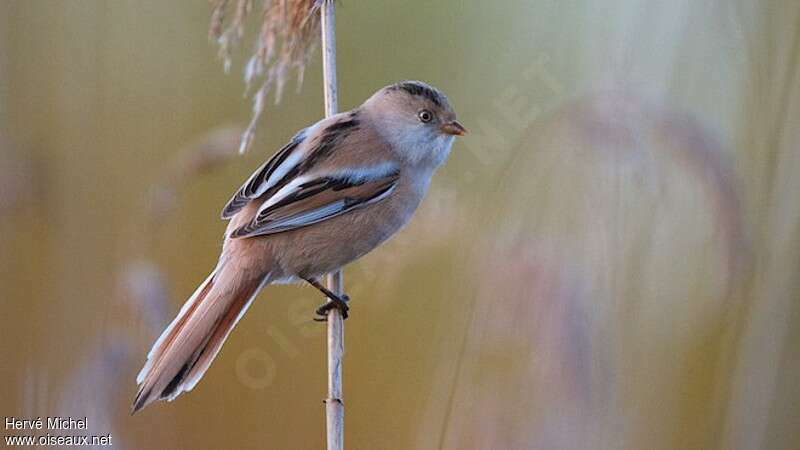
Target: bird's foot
335,302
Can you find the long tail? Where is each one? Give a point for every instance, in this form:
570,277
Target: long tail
185,350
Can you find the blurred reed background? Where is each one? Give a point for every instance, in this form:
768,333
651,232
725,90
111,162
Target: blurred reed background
611,260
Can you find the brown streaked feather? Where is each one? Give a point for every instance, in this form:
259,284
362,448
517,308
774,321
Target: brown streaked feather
252,188
221,330
315,201
169,334
315,149
190,344
330,151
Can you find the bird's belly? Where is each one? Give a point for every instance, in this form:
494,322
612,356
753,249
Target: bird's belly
329,245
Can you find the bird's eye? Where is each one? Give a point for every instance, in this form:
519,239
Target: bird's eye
425,116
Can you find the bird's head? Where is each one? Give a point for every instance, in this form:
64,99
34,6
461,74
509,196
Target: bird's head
416,119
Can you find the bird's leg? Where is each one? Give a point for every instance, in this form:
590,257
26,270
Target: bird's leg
336,301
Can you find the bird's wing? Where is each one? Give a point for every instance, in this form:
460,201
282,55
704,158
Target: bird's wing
308,149
268,175
309,199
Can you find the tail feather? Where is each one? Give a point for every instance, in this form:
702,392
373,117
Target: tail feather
222,331
168,335
185,350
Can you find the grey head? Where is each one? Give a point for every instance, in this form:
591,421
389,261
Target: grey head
416,119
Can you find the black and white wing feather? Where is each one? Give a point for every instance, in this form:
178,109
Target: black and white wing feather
299,187
268,175
309,200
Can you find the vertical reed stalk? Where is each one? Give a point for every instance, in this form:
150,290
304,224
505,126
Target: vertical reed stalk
334,407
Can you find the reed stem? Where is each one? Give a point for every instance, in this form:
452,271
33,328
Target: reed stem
334,407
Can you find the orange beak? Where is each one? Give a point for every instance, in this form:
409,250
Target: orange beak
453,128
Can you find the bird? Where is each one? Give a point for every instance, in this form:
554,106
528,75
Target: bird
336,191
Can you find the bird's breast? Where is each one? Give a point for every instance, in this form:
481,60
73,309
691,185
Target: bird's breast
326,246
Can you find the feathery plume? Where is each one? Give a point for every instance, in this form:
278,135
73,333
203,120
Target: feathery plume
287,37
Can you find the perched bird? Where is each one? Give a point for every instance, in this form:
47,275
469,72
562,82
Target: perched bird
336,191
